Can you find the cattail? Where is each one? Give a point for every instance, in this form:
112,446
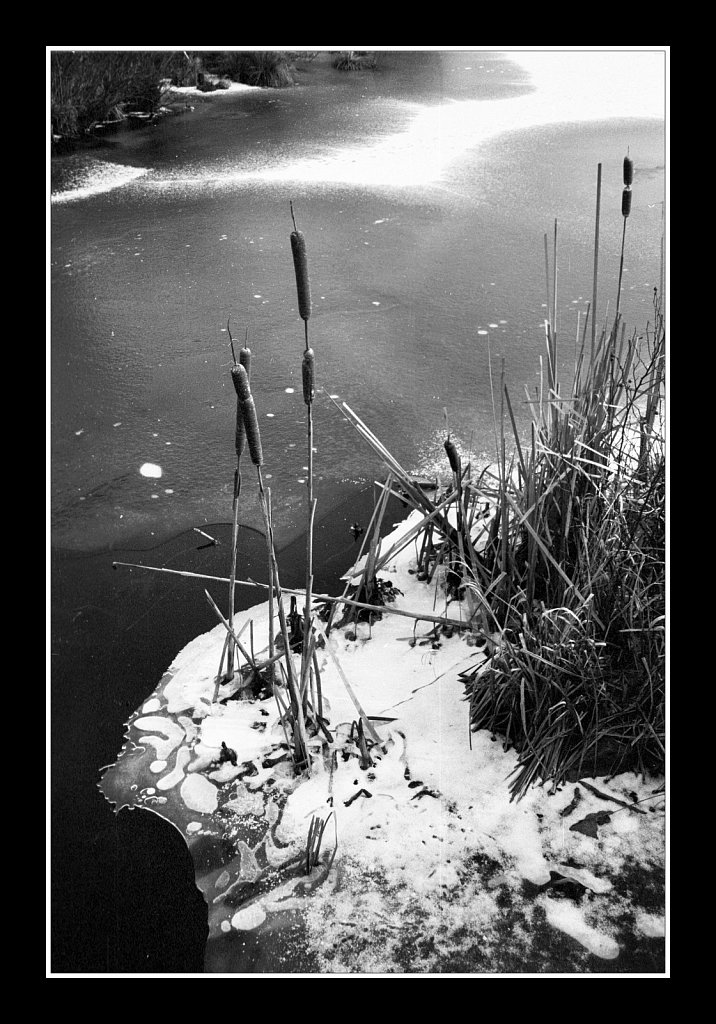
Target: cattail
626,202
453,457
248,412
628,171
309,388
300,263
245,359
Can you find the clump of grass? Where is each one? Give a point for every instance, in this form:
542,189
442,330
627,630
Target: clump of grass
561,546
91,86
577,681
355,60
267,68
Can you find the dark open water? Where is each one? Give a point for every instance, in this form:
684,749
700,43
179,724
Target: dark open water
425,234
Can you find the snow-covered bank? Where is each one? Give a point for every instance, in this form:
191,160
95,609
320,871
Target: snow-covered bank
426,865
88,174
193,90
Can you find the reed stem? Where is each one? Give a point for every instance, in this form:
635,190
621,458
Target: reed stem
621,272
596,259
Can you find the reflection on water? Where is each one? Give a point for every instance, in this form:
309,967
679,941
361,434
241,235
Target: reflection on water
424,210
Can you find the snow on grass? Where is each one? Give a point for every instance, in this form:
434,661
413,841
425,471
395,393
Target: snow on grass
191,90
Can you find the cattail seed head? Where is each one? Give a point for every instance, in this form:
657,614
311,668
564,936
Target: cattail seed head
453,456
245,359
309,388
300,264
628,171
626,202
240,434
240,377
248,414
251,426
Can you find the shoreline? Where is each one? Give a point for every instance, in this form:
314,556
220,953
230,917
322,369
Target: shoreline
254,891
173,101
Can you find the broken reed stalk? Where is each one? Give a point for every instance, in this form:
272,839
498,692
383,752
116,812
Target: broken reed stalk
328,598
232,636
239,440
282,714
227,641
369,570
350,691
313,843
415,531
412,492
366,537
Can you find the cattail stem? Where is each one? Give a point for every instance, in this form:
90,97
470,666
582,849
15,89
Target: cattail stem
621,272
596,259
311,514
271,638
554,311
546,273
232,582
309,587
240,379
554,282
301,739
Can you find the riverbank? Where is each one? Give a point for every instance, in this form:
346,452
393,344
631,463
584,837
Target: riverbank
174,100
426,865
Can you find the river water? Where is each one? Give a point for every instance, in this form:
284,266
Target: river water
424,189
